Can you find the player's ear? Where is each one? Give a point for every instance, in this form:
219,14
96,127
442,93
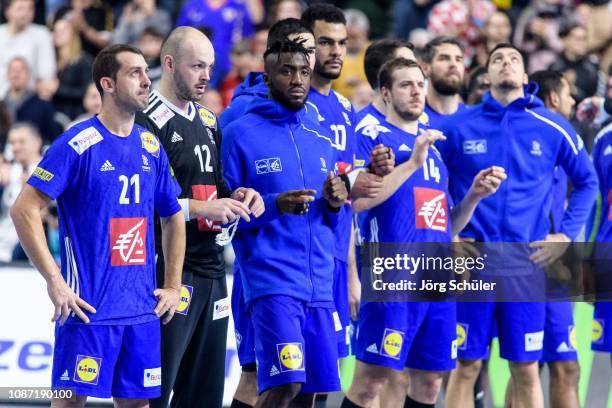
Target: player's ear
107,84
553,99
168,62
525,79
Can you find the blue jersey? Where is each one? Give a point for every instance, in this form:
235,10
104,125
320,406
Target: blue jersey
228,24
433,119
419,211
336,114
528,141
106,187
602,159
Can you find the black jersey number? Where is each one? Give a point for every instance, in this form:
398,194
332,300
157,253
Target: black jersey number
132,181
204,167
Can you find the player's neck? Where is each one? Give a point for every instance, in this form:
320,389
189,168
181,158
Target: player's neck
378,103
320,84
166,90
116,120
506,96
408,126
443,104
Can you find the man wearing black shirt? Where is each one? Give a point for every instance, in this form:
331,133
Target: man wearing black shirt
193,345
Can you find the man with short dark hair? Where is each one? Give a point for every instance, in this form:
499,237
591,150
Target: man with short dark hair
443,64
108,176
286,265
512,127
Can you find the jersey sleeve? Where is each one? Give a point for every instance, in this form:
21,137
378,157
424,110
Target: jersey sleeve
167,189
575,161
57,169
223,191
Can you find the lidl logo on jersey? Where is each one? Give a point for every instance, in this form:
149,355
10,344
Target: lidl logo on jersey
534,341
150,143
536,148
206,192
185,301
598,330
85,139
87,369
462,333
128,239
424,119
430,209
207,117
271,165
475,146
573,339
152,377
392,343
42,174
290,356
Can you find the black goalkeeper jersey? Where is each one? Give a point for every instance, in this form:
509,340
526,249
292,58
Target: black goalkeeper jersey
192,142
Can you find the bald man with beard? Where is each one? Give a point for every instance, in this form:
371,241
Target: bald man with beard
193,346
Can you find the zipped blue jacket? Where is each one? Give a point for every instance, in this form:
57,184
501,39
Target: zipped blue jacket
273,150
528,141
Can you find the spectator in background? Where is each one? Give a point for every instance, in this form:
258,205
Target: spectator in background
5,124
19,37
462,19
94,21
536,32
577,66
92,103
408,15
212,100
477,86
258,46
282,9
137,16
241,63
227,21
596,19
358,30
74,70
24,105
363,95
150,43
25,144
497,30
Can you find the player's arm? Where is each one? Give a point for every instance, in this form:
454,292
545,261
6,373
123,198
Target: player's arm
354,284
401,173
26,215
173,246
485,183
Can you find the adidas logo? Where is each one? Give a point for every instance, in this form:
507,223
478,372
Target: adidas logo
176,138
563,348
404,148
274,371
65,376
372,348
608,150
107,166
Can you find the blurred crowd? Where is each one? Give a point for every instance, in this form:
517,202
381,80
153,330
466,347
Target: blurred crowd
47,47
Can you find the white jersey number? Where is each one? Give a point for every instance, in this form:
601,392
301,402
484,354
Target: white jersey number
340,135
430,171
198,152
132,181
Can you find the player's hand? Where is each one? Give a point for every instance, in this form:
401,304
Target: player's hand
423,142
382,160
224,210
487,181
334,191
167,301
354,297
251,198
295,201
367,185
66,301
588,109
549,250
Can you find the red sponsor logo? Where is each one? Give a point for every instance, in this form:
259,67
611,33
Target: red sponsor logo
344,168
128,241
431,209
206,193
